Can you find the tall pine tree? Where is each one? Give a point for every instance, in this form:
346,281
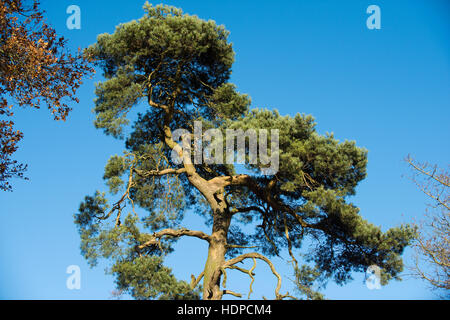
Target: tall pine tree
177,67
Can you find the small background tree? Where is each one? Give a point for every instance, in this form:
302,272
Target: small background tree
432,246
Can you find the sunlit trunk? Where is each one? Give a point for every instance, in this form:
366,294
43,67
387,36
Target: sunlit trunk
216,255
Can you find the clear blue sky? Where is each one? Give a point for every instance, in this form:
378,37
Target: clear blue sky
386,89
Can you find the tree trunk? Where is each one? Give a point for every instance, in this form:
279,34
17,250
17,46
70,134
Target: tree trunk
216,255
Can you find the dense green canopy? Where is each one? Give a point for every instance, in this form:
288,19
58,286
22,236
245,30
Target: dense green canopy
176,68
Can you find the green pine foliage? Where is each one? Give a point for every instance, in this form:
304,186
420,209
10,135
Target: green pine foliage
179,65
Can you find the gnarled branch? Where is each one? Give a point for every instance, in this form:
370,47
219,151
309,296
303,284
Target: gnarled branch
232,293
254,255
156,237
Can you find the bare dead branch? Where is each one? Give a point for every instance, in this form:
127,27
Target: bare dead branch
442,179
255,255
232,293
156,237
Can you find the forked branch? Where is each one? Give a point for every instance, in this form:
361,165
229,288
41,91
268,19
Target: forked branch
254,255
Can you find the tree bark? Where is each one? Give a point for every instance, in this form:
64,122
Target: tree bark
216,252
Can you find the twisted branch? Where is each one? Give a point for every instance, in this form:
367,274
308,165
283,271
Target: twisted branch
155,239
254,255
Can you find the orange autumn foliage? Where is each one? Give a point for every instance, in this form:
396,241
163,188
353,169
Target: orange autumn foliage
35,70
